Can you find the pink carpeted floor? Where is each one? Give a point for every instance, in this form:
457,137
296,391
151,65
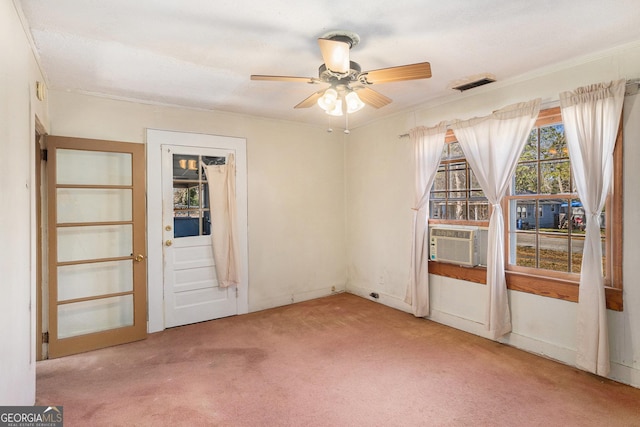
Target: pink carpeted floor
335,361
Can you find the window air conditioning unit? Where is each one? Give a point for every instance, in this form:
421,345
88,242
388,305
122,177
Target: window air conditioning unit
454,245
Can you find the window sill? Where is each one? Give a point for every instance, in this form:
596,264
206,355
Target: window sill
566,290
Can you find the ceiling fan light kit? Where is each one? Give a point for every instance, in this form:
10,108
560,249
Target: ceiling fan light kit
348,89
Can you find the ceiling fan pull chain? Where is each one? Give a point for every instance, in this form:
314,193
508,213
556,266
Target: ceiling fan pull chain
346,124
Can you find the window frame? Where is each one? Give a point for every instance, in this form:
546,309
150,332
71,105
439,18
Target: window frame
548,283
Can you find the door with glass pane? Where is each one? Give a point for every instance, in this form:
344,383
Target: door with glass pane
191,290
96,251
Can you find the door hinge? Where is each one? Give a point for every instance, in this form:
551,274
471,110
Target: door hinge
45,337
43,155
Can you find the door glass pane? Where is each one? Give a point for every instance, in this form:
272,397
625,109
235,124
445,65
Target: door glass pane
86,317
93,167
185,167
88,280
94,242
93,204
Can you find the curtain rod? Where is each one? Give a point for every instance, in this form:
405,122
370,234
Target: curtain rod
629,91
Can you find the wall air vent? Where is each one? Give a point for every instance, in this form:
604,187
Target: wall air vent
475,83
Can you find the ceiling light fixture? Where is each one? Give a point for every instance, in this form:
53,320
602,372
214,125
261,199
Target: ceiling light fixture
333,99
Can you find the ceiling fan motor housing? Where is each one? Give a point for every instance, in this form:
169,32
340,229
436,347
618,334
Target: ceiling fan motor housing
329,76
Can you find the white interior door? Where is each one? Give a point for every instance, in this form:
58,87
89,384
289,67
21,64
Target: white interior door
191,290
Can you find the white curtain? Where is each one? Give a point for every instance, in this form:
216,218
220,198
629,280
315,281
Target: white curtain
492,146
428,144
222,204
591,117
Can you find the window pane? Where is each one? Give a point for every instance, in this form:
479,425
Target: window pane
445,152
87,280
577,246
213,160
86,317
554,252
552,142
554,177
93,167
549,214
94,242
524,249
206,223
526,179
530,150
440,182
457,180
473,181
524,220
479,211
455,151
438,210
185,167
186,196
457,210
186,223
93,204
205,195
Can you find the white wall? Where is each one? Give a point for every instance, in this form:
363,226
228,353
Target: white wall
379,217
295,189
18,108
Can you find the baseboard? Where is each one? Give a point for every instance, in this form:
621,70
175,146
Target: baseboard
625,374
385,299
287,299
621,373
457,322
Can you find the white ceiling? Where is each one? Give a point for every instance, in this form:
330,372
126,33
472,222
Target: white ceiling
200,53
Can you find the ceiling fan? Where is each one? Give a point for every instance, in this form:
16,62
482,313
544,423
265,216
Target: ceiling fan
348,84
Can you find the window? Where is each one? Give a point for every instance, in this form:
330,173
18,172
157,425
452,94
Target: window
542,183
456,194
191,215
545,221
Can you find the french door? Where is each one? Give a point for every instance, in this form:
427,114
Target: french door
96,244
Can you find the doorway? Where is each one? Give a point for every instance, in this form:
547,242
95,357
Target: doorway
182,284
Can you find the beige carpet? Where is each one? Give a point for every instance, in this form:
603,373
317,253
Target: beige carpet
335,361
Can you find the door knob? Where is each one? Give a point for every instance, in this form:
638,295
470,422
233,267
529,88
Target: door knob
139,257
168,243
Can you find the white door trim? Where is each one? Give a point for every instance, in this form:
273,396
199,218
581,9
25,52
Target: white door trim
155,140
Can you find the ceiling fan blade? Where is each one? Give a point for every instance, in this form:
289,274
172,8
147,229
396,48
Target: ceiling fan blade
421,70
284,78
310,101
335,55
372,98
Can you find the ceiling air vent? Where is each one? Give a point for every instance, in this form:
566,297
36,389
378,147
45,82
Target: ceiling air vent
471,82
475,83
